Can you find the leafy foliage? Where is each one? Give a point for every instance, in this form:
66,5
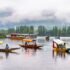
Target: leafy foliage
41,30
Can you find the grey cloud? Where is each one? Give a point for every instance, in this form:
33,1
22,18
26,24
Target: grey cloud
6,13
48,13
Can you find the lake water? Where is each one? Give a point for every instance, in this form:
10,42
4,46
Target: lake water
40,59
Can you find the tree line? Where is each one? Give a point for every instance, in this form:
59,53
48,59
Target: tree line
41,30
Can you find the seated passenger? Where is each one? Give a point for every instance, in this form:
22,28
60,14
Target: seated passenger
25,43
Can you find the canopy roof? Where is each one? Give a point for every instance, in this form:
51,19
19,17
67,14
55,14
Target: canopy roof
58,41
27,40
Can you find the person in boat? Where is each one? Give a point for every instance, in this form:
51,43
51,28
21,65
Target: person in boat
7,47
25,43
34,42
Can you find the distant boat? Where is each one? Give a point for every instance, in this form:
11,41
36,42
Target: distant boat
47,38
17,36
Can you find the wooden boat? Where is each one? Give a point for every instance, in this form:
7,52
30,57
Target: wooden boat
16,38
31,46
8,50
27,45
59,45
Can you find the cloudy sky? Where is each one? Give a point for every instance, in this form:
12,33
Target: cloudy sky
14,10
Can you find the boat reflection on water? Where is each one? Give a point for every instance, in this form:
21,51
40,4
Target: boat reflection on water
7,53
61,54
57,54
32,51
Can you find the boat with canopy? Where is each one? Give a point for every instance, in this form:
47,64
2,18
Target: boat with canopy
28,45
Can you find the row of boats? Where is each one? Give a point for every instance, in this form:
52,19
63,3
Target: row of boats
58,45
28,43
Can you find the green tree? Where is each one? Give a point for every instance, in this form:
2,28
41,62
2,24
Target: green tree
21,28
17,30
11,30
68,31
41,30
55,31
64,31
31,30
25,29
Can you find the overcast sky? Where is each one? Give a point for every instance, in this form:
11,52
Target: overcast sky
35,8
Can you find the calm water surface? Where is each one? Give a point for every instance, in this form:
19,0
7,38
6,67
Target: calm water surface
40,59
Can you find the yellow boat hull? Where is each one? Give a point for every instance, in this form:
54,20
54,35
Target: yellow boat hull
60,49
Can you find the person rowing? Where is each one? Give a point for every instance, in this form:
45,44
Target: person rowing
7,47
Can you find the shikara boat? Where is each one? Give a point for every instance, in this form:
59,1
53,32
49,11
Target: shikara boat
16,38
31,46
8,50
59,45
27,45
